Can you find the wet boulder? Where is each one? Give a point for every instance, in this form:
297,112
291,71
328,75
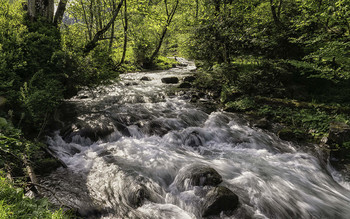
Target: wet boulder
189,79
219,199
185,85
135,190
131,83
145,78
338,138
338,133
262,123
136,195
93,132
193,140
197,175
155,127
170,80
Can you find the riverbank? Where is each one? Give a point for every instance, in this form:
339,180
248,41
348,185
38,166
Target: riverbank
285,107
24,155
136,143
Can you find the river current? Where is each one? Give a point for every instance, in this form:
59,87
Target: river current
146,134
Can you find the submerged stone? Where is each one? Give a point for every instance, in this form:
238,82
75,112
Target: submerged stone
197,175
193,140
220,199
189,79
145,78
185,85
92,132
137,195
170,80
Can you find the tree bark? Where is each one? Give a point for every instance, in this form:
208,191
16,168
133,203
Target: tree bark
275,14
111,38
165,29
60,12
44,8
125,32
31,9
31,174
86,21
93,43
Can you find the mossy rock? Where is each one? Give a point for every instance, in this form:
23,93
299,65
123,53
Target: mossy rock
46,166
339,133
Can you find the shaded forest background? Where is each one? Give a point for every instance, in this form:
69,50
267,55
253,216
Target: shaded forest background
286,61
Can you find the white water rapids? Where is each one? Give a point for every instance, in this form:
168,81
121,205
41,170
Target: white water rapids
156,134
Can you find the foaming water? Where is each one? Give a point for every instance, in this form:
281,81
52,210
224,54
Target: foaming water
130,172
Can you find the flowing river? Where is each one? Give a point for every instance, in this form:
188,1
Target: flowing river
131,142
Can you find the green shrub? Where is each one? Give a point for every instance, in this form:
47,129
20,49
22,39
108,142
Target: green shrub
13,204
242,104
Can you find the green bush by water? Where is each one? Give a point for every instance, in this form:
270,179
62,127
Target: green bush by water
13,204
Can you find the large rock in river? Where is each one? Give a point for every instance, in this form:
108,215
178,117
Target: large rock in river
189,79
338,133
170,80
185,85
197,175
145,78
219,199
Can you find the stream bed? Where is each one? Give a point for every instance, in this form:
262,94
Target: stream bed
131,143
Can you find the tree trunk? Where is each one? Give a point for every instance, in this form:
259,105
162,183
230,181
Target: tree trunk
86,20
125,33
43,8
31,174
275,14
31,9
46,9
112,38
60,12
93,43
165,29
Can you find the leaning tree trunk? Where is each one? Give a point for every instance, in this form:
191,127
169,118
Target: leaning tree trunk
165,29
60,12
93,43
125,32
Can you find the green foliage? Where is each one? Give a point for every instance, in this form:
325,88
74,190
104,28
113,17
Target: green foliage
13,146
240,105
313,121
162,63
13,204
38,67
